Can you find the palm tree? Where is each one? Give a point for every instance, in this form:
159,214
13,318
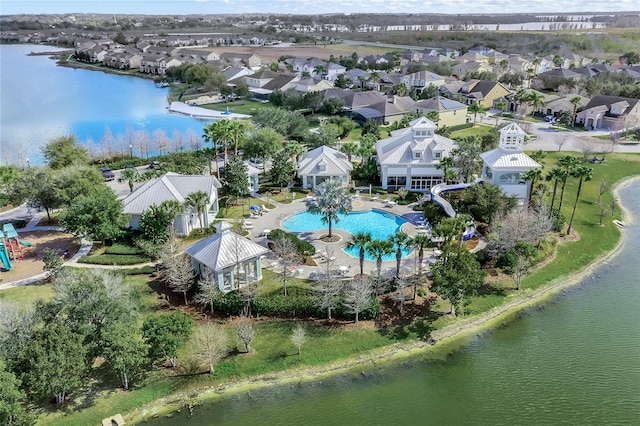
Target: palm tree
360,240
378,249
237,132
557,174
172,208
476,109
198,200
445,164
401,89
319,69
583,173
401,241
349,148
420,241
331,200
568,163
211,134
504,64
521,97
502,106
375,77
536,100
131,176
532,176
295,149
575,101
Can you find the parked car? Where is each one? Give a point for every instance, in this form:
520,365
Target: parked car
107,174
550,118
155,165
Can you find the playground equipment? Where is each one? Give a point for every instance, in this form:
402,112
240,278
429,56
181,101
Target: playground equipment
12,245
442,188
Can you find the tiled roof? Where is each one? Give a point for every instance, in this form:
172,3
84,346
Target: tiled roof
224,249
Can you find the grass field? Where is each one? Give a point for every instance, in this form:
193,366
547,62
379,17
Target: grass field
273,350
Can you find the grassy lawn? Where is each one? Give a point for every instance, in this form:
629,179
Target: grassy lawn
478,130
245,106
272,348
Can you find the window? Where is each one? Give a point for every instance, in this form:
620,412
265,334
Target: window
416,155
424,182
437,155
397,181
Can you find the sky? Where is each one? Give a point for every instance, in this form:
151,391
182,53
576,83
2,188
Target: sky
185,7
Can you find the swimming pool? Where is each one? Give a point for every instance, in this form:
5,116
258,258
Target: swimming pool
381,225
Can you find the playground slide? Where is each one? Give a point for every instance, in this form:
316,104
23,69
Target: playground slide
4,257
24,243
10,231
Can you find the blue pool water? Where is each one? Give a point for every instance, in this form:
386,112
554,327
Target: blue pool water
381,225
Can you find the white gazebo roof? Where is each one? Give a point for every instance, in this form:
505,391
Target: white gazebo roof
224,249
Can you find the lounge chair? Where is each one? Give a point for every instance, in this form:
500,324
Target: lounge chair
246,224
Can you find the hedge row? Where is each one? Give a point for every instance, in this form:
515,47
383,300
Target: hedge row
122,249
143,270
303,248
300,302
114,259
460,127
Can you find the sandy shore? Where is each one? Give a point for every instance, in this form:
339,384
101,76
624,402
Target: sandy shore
447,339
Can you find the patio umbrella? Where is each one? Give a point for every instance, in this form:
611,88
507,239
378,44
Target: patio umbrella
254,207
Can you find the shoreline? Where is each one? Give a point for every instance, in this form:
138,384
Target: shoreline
447,339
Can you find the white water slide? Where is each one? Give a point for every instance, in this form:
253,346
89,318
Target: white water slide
442,188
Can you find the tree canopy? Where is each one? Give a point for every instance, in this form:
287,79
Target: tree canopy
64,151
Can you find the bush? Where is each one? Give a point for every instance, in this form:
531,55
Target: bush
122,249
303,248
144,270
460,127
114,259
300,302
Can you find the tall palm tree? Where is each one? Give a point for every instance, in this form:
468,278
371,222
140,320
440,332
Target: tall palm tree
375,77
531,176
476,109
319,69
349,148
401,241
211,134
331,199
583,173
295,149
420,241
378,249
433,115
237,133
360,240
575,101
521,97
568,162
536,100
172,208
198,200
502,106
557,174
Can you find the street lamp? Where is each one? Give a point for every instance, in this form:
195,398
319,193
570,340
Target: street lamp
131,151
28,165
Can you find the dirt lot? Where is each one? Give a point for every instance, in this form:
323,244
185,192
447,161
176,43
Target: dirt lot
32,263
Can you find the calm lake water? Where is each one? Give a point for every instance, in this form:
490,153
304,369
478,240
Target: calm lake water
40,100
574,361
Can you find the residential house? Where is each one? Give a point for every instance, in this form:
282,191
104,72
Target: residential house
122,60
483,92
201,56
333,71
410,157
174,187
157,63
450,112
421,80
557,75
249,60
506,165
474,57
324,163
307,85
233,73
610,112
230,260
481,50
460,70
555,104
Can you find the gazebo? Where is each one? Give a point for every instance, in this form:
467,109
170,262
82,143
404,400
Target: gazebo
230,259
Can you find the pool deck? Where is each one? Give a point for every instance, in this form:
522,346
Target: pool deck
274,218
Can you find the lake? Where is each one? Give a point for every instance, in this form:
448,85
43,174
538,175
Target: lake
40,101
573,360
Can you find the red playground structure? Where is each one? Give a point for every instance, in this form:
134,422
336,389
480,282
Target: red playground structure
11,247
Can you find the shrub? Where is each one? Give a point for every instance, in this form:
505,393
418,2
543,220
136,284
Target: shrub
460,127
303,248
122,249
300,302
114,259
144,270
